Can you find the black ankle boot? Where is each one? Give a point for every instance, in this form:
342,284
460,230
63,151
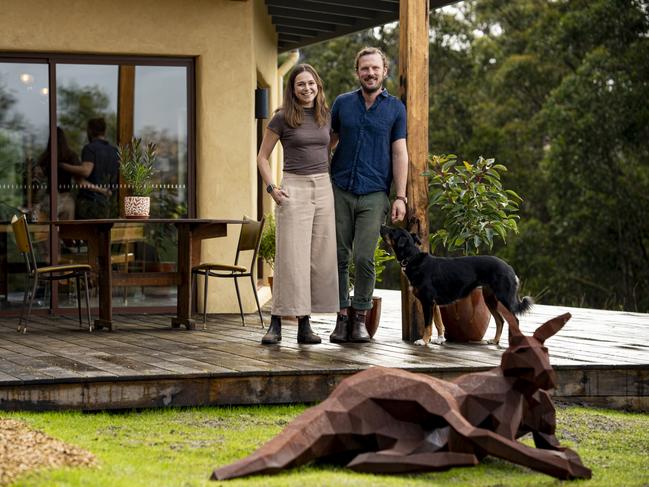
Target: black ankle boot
341,332
305,333
274,333
358,332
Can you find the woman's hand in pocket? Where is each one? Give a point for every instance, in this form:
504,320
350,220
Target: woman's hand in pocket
279,195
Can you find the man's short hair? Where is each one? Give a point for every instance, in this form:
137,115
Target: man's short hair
96,128
366,51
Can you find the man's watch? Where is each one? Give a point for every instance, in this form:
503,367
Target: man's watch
402,198
270,188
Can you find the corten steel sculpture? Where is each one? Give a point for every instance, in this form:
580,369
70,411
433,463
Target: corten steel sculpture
388,420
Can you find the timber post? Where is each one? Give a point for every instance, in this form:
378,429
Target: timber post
413,84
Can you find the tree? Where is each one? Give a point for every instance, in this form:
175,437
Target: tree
556,90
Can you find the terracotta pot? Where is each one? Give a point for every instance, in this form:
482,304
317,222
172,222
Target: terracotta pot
137,207
467,319
270,283
373,316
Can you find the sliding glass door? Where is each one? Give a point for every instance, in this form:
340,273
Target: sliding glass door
144,98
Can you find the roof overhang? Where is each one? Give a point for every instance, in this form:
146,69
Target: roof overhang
301,23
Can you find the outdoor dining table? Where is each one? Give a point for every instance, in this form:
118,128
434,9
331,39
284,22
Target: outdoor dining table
97,234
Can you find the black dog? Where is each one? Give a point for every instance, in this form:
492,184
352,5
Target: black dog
444,280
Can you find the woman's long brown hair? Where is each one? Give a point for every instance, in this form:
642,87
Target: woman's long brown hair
293,111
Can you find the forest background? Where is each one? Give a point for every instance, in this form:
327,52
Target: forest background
558,91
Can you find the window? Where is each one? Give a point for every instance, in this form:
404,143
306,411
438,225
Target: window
55,97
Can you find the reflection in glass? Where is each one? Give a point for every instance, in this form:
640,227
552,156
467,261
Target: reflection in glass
84,92
160,116
24,183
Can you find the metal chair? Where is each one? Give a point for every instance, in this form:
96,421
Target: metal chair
49,273
249,240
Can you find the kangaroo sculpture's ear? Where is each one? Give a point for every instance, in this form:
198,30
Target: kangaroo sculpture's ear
416,238
548,329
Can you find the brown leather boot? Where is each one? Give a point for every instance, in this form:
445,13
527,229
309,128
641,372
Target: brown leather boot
358,333
305,333
341,331
274,333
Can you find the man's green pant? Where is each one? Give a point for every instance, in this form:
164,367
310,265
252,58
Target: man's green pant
358,224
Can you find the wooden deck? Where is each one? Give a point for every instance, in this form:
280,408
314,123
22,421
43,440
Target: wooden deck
601,357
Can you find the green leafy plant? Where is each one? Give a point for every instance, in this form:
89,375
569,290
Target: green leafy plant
267,244
475,207
136,162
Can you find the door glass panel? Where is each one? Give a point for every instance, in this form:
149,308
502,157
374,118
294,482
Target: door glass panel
86,101
24,173
160,117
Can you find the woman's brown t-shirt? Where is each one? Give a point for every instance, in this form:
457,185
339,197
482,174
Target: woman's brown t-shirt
305,147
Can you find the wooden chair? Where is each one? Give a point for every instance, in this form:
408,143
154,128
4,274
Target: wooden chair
49,273
249,240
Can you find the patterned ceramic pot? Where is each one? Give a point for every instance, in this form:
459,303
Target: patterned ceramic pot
137,207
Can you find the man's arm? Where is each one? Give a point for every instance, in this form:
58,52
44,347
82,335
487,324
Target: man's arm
400,176
84,169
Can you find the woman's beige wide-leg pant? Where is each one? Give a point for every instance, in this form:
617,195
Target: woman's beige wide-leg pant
306,269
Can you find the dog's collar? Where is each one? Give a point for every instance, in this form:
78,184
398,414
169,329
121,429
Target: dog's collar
404,262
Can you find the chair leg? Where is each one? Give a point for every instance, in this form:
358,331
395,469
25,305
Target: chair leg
79,299
31,302
254,290
85,280
22,310
207,278
236,286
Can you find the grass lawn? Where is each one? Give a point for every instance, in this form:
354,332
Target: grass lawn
180,447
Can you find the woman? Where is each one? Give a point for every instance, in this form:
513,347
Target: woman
305,279
65,155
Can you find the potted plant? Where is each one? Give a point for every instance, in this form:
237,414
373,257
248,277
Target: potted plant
475,209
267,245
373,316
136,162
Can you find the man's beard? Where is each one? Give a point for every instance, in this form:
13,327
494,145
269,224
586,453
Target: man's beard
369,90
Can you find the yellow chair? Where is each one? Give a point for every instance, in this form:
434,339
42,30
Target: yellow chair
49,273
249,240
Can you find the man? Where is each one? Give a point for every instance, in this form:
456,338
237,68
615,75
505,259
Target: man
369,133
97,197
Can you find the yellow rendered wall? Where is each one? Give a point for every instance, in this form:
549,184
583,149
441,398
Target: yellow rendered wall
231,40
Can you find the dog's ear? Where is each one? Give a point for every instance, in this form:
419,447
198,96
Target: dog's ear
416,238
550,328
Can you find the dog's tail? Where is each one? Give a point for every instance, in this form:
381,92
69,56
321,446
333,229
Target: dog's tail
523,306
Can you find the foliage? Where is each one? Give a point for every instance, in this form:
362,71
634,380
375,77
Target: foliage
267,244
137,166
555,89
172,447
78,104
475,206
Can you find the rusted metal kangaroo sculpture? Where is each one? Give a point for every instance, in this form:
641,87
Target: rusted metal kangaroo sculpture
389,421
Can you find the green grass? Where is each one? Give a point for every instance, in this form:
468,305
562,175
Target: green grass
181,447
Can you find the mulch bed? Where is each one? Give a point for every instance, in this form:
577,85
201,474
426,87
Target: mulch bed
23,449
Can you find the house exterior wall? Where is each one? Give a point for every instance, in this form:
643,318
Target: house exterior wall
233,42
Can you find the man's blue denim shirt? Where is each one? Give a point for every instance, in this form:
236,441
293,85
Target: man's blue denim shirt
362,162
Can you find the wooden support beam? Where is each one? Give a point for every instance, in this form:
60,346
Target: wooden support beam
413,81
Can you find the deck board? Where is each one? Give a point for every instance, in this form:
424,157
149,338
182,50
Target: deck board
600,356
